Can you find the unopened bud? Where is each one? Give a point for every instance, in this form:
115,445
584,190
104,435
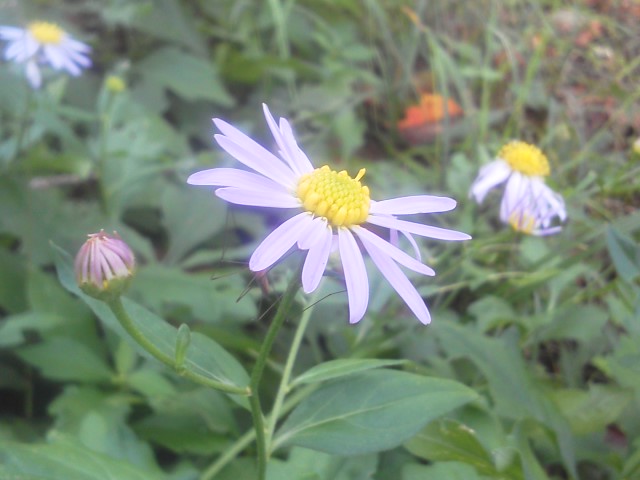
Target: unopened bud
115,84
104,266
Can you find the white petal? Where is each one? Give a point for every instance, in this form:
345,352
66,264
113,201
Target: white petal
517,195
75,57
313,234
21,50
295,151
278,242
543,232
413,204
33,75
257,198
552,201
76,45
399,282
286,150
490,176
253,155
355,275
417,228
394,252
413,243
233,177
11,33
316,261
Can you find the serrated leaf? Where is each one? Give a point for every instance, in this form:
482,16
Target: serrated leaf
370,411
187,76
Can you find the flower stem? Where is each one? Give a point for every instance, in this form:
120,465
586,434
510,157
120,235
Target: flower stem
240,444
23,126
123,317
283,388
258,370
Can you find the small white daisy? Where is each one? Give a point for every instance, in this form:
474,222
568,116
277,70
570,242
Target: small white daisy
44,43
528,204
335,210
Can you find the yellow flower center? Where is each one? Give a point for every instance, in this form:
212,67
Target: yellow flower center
46,33
525,158
522,222
342,200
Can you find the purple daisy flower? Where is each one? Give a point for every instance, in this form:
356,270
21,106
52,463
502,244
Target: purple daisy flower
335,210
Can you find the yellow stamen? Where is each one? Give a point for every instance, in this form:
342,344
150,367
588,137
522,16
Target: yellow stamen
342,200
46,33
525,158
522,222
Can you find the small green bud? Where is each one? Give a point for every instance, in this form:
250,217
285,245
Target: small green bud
115,84
104,266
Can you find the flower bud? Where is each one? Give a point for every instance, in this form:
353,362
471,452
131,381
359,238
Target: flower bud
104,266
115,84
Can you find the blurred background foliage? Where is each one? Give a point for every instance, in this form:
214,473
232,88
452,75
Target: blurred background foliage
545,330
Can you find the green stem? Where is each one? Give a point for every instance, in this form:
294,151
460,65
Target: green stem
283,388
258,369
240,444
24,125
123,317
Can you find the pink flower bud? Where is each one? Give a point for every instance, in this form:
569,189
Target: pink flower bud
104,265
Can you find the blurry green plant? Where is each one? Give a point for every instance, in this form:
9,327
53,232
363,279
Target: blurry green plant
543,331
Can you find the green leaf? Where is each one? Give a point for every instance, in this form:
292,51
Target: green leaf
166,19
631,467
440,471
63,358
65,459
515,392
370,411
593,410
341,367
12,279
99,421
313,465
209,300
492,312
36,216
451,441
576,322
204,355
191,217
193,422
625,254
530,464
190,77
13,327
